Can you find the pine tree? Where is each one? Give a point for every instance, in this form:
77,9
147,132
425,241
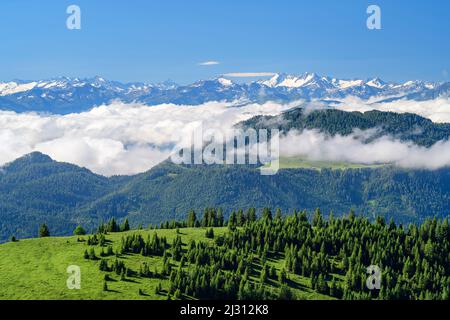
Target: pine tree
220,218
103,265
192,219
79,231
267,214
125,226
210,233
282,278
92,255
278,214
322,286
285,293
317,220
112,226
232,221
43,231
158,288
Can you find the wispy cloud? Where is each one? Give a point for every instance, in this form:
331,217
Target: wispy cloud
209,63
249,74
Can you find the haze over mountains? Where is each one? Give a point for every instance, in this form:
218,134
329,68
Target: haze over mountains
73,95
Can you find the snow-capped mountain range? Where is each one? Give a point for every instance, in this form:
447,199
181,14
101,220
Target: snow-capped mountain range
70,95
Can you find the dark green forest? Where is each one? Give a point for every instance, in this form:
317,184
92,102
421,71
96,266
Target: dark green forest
259,253
65,196
403,126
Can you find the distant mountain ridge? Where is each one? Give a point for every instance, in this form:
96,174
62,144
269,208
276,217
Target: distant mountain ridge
72,95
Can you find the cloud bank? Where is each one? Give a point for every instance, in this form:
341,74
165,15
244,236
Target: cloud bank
128,139
437,110
314,145
119,138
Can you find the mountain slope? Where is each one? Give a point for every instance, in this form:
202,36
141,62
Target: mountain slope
63,195
36,189
169,191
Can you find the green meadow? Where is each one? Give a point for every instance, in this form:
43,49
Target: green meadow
36,269
303,163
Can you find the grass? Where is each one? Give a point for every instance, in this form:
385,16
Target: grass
303,163
36,269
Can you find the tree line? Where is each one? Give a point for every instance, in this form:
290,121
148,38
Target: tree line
333,253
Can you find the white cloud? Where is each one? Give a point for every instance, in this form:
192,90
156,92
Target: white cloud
119,138
437,110
132,138
317,146
209,63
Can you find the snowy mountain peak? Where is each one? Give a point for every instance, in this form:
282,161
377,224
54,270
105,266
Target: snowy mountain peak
65,95
13,87
376,83
225,82
291,81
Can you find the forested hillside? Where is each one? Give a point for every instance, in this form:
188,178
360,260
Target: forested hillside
63,195
253,255
35,189
171,190
403,126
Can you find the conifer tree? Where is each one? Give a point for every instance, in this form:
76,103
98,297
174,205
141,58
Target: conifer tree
192,219
79,231
125,226
43,231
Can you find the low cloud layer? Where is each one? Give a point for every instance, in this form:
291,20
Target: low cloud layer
119,138
314,145
437,110
132,138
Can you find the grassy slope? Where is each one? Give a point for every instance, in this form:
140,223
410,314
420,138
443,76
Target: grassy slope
303,163
36,269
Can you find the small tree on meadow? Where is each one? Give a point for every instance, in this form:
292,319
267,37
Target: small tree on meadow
43,231
79,231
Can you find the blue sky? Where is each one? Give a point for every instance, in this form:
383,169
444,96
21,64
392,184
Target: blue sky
156,40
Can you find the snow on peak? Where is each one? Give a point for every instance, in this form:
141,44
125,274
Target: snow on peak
376,83
225,82
12,87
345,84
290,81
